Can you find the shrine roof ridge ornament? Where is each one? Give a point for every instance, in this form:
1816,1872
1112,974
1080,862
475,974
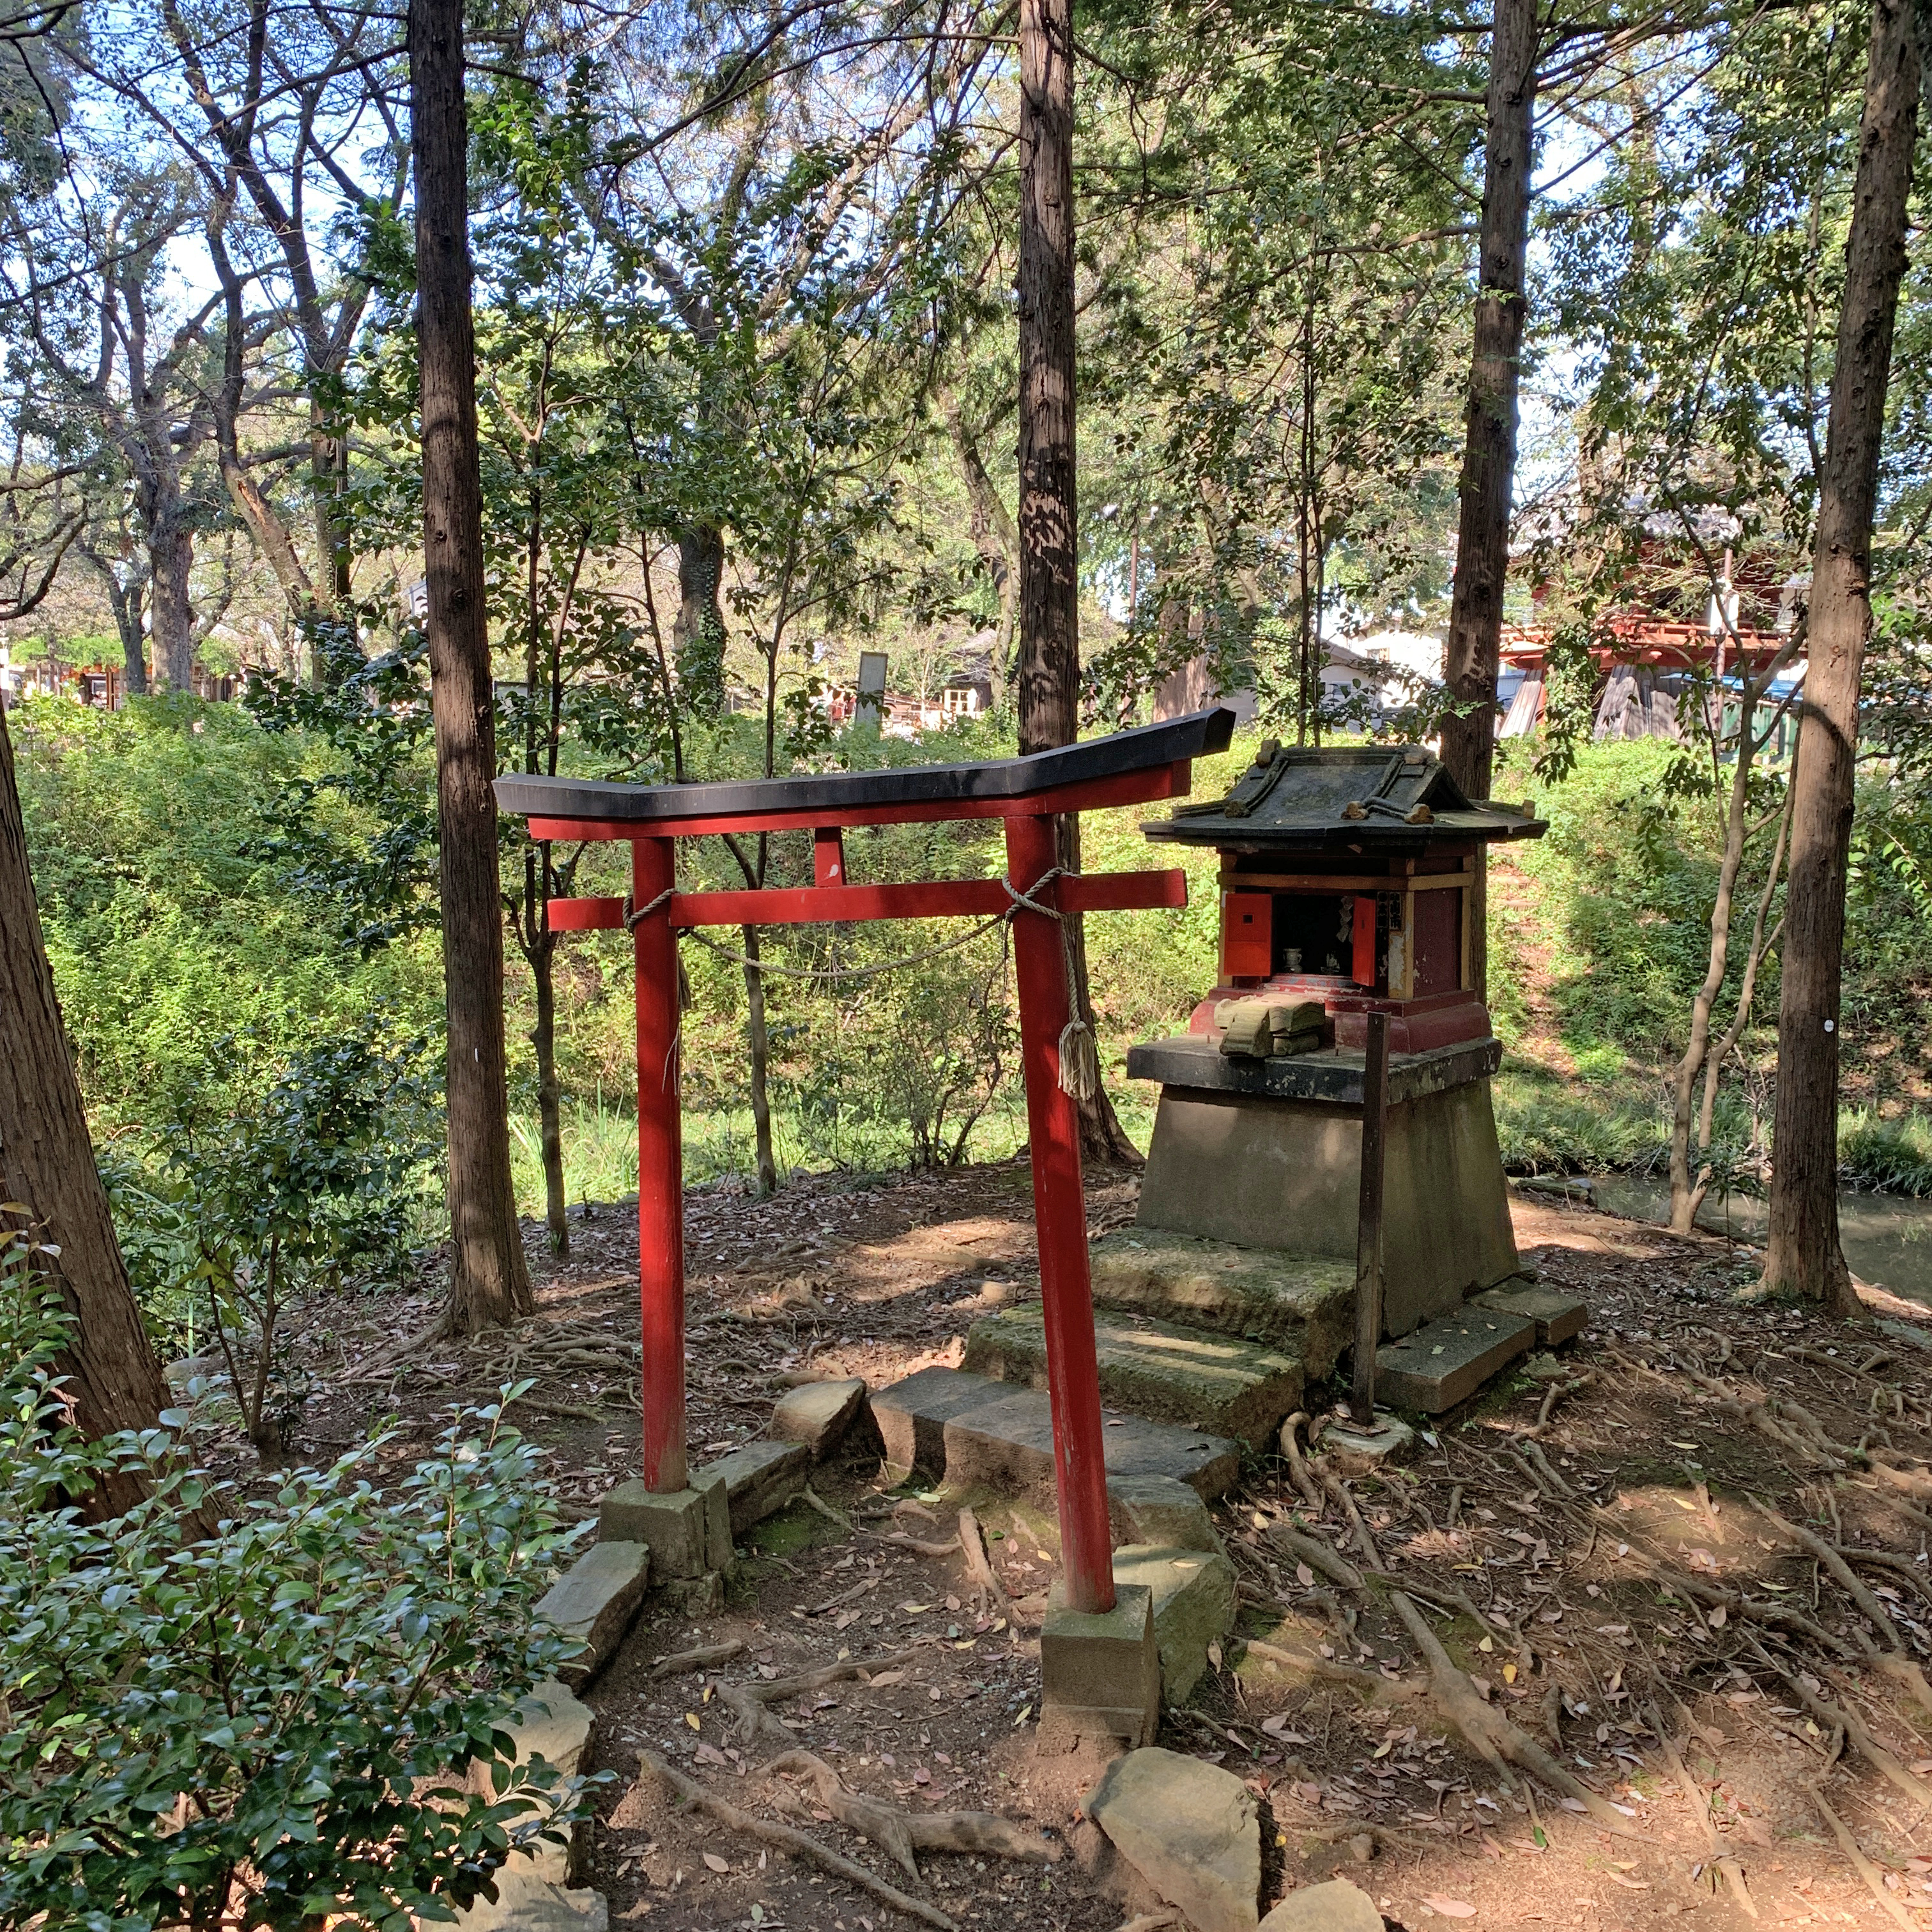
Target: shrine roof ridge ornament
903,788
1396,798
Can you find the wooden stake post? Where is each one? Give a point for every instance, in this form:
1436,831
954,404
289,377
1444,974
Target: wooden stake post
1368,1227
1132,767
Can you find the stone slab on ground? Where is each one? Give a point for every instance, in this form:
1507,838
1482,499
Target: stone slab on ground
1100,1671
1190,1830
1445,1361
759,1480
551,1724
1306,1302
1353,1451
1336,1906
526,1902
1007,1443
912,1415
1160,1369
1558,1317
688,1530
596,1600
1161,1510
817,1414
1193,1607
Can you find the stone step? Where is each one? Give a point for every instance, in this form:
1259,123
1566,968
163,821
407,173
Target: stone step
971,1429
1445,1361
1266,1294
1559,1317
1158,1369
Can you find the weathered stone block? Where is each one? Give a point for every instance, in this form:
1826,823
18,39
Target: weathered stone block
1304,1302
912,1416
526,1902
1559,1317
1159,1369
1336,1906
596,1600
1361,1452
551,1724
817,1414
1447,1360
696,1596
1161,1511
1190,1830
688,1530
1193,1607
759,1480
1100,1673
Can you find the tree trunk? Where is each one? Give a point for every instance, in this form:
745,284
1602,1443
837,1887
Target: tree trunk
489,1284
1489,451
1803,1256
550,1093
757,1032
697,633
1049,591
126,603
46,1166
173,616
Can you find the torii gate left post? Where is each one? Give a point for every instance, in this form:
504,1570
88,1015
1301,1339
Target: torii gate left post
1129,768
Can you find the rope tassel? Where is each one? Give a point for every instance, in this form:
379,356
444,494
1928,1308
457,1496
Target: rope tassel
1079,1059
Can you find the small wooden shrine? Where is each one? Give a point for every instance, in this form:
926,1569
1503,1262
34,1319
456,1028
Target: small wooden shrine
1347,886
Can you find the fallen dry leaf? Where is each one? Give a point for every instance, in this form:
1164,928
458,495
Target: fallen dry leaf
716,1864
1450,1908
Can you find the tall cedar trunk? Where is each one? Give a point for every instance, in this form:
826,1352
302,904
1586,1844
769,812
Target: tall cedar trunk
173,557
1049,610
46,1166
550,1093
1489,451
757,1032
488,1283
1803,1255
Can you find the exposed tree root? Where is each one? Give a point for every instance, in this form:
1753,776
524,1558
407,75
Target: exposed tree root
1865,1869
1490,1733
1860,1740
794,1843
979,1566
1332,1672
1316,1554
758,1730
702,1658
902,1833
1297,1467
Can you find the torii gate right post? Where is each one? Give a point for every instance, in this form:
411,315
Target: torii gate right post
682,1523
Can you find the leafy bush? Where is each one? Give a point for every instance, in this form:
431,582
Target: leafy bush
274,1723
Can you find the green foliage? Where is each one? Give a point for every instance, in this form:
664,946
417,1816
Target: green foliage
280,1721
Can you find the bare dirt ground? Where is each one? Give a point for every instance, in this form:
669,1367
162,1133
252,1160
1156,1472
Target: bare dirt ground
1686,1564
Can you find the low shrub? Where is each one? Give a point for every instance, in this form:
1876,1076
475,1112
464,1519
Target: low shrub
267,1722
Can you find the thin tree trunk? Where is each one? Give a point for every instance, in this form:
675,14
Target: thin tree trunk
1489,451
46,1166
757,1032
489,1284
173,554
1049,604
1803,1256
549,1094
1685,1199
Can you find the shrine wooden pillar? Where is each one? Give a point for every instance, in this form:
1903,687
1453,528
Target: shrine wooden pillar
1060,1213
660,1167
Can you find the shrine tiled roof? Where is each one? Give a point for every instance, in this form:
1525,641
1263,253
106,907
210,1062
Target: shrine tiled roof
1397,798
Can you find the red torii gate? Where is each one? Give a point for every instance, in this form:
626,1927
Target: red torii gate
1132,767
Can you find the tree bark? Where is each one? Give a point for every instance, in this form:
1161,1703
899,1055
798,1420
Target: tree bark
1489,449
173,616
489,1284
1049,591
758,1033
1803,1256
697,632
549,1094
46,1166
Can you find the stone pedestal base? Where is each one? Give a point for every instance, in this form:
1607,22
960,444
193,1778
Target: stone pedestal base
1100,1675
688,1530
1267,1154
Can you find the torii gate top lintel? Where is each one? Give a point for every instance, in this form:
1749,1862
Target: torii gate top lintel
1127,768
